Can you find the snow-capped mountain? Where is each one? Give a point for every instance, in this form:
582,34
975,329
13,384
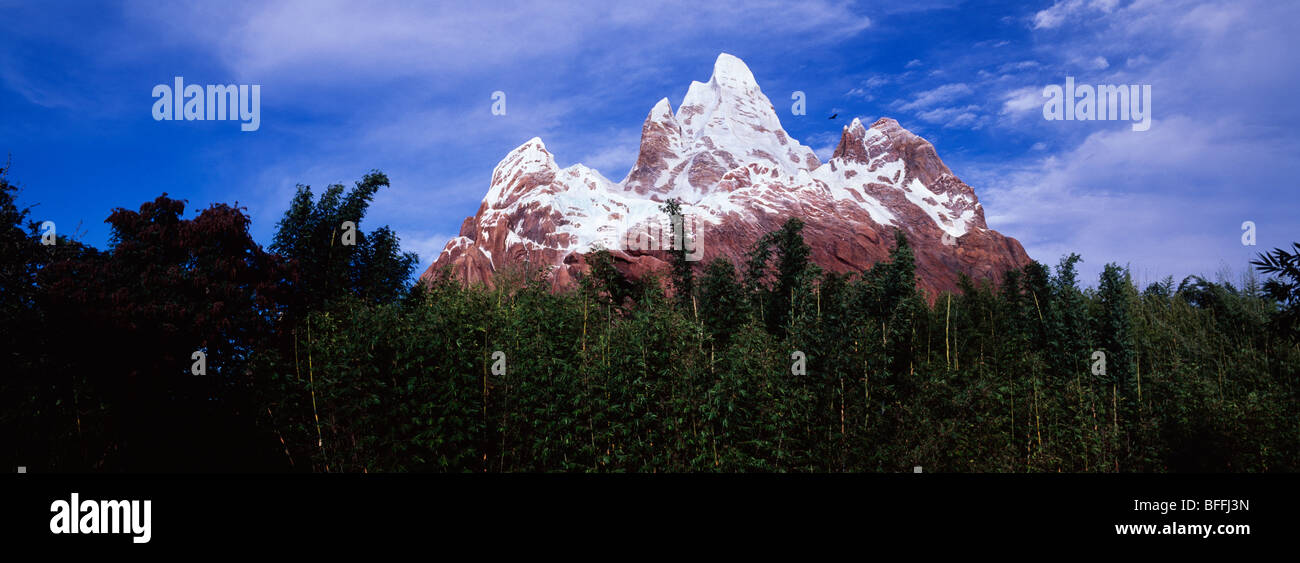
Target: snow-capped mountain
738,174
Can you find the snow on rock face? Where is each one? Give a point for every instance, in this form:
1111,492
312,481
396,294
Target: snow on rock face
661,150
887,160
738,174
723,124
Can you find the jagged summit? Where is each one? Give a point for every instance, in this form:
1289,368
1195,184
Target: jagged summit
729,70
726,156
723,124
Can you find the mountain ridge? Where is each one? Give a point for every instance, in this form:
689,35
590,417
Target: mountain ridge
738,174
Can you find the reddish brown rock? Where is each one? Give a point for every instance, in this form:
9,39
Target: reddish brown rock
738,175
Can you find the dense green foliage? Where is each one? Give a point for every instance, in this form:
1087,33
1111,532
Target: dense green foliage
322,357
616,377
102,344
1284,287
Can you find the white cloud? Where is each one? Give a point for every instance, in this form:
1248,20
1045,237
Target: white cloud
1018,66
614,160
1138,61
1058,13
869,87
1022,101
1215,19
1108,198
1170,200
957,116
314,38
930,98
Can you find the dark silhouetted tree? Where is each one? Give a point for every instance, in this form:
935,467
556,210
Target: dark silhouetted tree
312,236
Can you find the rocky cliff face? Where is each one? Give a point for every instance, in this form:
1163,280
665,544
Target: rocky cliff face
738,175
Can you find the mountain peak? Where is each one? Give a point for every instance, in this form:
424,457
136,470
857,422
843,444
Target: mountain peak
663,111
730,70
726,157
660,150
532,152
529,160
725,124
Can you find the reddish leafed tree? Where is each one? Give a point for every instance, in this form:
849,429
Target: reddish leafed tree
134,319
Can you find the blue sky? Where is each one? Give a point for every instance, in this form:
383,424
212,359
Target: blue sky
406,88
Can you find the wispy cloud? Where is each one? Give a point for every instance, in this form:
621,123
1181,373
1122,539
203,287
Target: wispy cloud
931,98
1143,198
1063,10
1022,101
405,87
392,39
1170,199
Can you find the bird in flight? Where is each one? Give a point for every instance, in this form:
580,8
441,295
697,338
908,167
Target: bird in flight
833,116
